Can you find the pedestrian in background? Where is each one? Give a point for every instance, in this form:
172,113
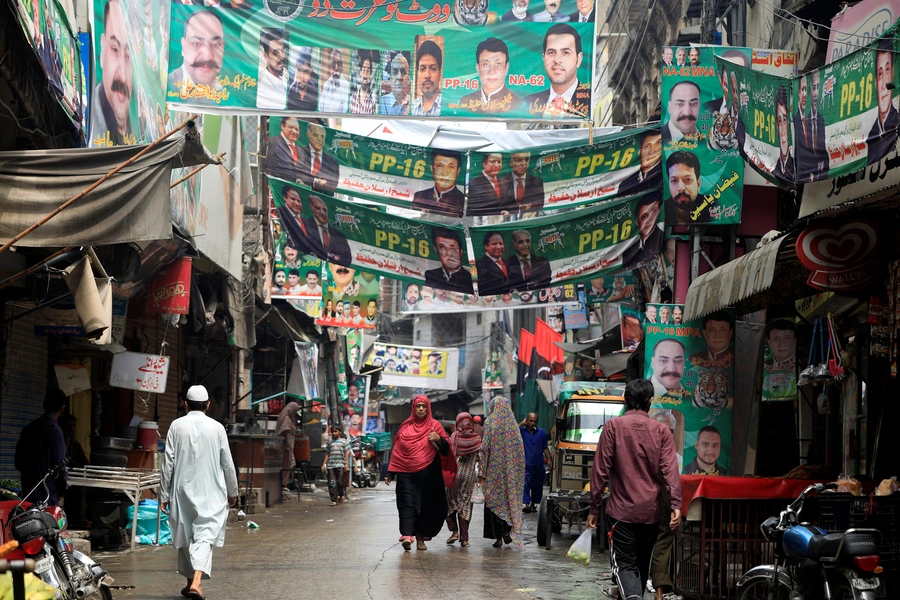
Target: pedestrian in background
41,446
479,428
416,465
504,475
197,485
636,457
337,454
535,441
466,446
287,427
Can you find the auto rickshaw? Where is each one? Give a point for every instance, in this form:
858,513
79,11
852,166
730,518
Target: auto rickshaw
583,408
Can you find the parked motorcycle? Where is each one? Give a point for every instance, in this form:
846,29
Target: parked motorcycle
43,536
810,564
366,465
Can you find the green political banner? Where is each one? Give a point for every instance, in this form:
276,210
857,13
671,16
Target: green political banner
691,367
388,58
703,168
780,360
426,300
131,55
618,287
294,275
366,239
572,247
824,124
563,176
430,180
350,298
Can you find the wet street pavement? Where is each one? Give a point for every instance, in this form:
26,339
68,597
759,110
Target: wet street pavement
308,549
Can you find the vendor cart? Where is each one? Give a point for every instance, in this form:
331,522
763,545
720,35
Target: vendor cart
583,409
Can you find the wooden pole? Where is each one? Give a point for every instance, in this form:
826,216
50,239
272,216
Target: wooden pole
197,170
95,185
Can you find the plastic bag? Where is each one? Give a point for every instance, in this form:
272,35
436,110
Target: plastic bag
849,485
146,524
580,552
478,494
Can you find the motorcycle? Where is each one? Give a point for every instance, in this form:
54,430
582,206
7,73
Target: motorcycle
366,466
43,536
810,564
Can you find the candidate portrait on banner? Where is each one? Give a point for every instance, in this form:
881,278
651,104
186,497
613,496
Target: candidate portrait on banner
566,96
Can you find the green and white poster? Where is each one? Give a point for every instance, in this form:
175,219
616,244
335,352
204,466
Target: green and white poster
780,360
575,246
350,298
402,58
128,102
824,124
523,182
703,170
366,239
691,366
326,159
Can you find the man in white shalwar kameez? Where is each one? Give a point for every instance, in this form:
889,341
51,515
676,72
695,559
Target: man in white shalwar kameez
198,485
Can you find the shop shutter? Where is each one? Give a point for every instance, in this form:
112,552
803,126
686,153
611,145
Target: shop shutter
24,384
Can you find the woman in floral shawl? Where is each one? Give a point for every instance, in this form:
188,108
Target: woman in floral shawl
466,446
416,465
504,470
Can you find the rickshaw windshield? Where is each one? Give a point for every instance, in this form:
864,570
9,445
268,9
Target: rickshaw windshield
584,421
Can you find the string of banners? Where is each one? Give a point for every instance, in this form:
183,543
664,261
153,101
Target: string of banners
509,182
511,257
389,58
830,122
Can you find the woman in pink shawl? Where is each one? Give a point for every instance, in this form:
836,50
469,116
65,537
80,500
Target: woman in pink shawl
416,465
466,446
504,472
287,427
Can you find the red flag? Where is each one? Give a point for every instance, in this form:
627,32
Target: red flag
526,345
544,336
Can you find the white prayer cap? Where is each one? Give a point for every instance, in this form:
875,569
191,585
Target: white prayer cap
197,393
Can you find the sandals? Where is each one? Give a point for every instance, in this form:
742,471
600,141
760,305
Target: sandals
406,543
195,595
185,591
498,544
421,546
507,538
454,535
611,592
464,544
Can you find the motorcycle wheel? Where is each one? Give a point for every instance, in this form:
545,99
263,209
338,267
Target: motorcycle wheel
759,588
104,593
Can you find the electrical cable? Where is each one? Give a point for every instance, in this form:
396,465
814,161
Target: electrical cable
647,19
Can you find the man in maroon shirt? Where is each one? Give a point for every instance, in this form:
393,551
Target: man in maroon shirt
636,457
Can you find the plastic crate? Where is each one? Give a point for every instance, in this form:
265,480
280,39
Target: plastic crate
380,439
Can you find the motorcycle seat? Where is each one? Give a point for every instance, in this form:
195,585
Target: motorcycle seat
855,544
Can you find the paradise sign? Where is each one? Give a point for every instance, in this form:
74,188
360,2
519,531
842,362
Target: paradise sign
366,239
691,366
392,58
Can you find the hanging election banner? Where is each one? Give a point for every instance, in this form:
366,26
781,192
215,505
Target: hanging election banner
424,299
618,287
350,298
294,275
352,235
128,103
824,124
780,361
630,325
527,182
704,170
426,179
354,406
691,366
576,246
418,367
493,371
272,56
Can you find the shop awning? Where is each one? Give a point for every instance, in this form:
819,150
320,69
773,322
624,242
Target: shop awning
132,206
771,274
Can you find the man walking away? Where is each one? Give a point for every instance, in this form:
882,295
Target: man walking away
41,446
198,484
338,458
636,457
534,439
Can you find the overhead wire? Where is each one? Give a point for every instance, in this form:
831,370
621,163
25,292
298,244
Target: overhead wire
635,54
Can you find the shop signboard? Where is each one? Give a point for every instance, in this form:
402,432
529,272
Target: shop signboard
366,239
396,59
840,255
691,367
139,372
128,101
415,366
855,26
427,300
572,247
170,291
62,319
780,360
703,169
830,122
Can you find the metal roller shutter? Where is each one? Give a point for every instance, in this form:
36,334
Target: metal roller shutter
24,384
